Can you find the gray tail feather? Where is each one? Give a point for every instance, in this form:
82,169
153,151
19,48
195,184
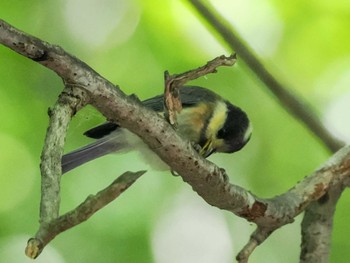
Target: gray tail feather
90,152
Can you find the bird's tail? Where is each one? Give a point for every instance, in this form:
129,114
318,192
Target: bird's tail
92,151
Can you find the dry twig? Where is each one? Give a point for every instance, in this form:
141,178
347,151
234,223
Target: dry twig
93,203
176,81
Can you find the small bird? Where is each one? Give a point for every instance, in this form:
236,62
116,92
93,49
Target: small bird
206,119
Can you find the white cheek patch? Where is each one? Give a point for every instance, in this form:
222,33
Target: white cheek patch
248,132
217,120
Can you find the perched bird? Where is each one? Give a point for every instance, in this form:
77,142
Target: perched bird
206,119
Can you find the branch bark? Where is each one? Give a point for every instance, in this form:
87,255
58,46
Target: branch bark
317,227
68,104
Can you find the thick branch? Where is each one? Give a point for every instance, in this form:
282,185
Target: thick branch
326,186
296,105
317,227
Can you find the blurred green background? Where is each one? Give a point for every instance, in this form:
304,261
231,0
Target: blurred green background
131,42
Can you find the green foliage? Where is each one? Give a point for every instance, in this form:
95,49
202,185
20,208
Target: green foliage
309,50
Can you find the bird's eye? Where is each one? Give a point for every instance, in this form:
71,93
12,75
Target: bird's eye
221,133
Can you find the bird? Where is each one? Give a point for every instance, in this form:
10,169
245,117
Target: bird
207,120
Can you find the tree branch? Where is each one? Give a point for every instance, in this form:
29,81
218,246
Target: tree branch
174,82
60,115
296,105
84,211
51,224
317,227
328,181
259,236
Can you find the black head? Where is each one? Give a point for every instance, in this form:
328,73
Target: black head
236,130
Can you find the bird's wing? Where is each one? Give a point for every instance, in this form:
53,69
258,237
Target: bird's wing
102,130
190,96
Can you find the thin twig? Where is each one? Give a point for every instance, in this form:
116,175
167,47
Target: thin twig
84,211
296,105
174,82
179,80
259,236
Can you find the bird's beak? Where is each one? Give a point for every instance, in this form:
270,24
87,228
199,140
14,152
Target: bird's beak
207,149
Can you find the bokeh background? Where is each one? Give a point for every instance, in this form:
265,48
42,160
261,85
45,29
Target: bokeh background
160,219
